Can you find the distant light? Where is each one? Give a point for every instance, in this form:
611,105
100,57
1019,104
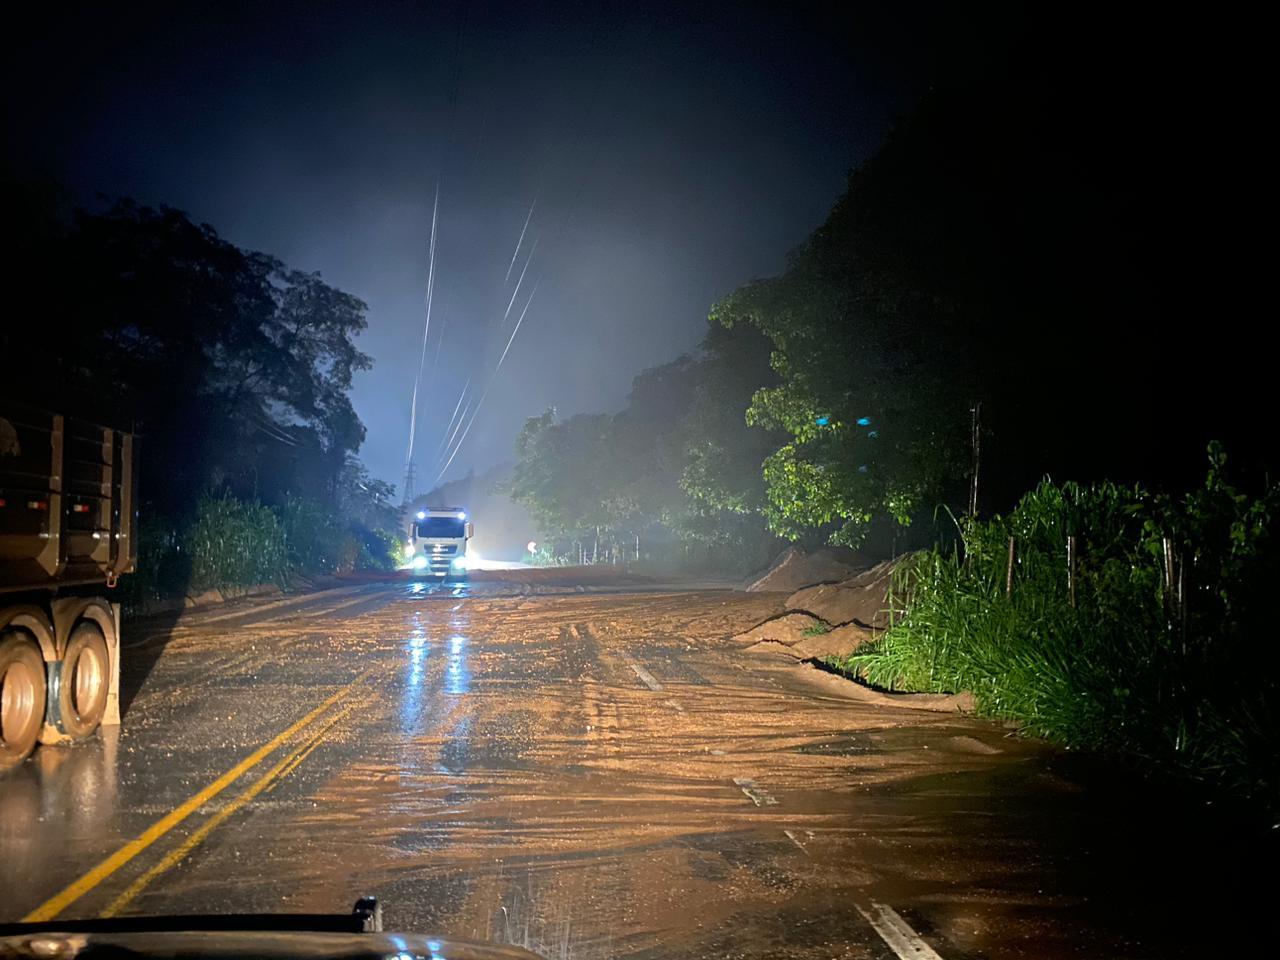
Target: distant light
873,434
531,546
863,468
864,421
822,421
422,514
419,562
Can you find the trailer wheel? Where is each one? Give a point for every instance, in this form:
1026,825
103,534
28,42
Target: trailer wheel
22,696
82,695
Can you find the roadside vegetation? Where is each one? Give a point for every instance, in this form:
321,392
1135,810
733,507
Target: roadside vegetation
901,360
1128,624
988,303
672,480
231,545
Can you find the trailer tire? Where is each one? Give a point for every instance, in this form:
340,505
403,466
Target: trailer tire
22,696
86,678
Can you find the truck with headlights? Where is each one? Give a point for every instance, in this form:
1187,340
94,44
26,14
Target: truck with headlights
437,543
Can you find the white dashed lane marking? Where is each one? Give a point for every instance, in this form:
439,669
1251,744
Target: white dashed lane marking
643,674
791,835
758,794
896,932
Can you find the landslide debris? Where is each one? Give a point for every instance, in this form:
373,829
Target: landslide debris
801,636
861,599
796,568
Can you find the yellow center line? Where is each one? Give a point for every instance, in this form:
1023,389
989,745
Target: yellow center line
78,888
282,769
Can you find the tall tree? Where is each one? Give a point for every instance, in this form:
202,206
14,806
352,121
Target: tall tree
235,369
1021,241
679,461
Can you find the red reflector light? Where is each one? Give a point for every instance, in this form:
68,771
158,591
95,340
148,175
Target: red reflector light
37,504
2,501
80,508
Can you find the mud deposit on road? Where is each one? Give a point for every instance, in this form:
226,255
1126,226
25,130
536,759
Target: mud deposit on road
588,774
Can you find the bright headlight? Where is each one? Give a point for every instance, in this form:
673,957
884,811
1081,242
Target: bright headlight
408,550
419,562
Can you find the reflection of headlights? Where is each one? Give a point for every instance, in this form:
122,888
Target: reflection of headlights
459,563
419,562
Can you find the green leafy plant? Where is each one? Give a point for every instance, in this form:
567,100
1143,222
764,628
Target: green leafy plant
1157,652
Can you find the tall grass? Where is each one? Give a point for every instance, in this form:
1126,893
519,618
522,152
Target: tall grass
319,541
232,544
235,544
1128,669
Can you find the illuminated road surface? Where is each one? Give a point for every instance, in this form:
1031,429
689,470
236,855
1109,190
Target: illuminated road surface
591,769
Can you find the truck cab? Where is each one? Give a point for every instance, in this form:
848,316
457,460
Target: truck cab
438,542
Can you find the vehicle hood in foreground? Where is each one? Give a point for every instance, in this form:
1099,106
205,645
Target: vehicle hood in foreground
261,945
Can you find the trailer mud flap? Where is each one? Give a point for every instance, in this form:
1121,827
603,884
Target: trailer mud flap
53,731
111,718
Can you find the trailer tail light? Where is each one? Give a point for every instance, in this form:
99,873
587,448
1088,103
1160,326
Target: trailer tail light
80,508
37,504
3,502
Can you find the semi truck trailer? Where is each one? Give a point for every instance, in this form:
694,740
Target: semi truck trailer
68,499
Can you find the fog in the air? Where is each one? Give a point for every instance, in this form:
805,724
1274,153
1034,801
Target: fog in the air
666,159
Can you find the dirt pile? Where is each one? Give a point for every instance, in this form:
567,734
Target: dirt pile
826,619
796,568
802,637
861,599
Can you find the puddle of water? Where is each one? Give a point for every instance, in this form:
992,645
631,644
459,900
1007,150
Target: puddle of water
852,746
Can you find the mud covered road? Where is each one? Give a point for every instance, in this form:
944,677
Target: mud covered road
591,771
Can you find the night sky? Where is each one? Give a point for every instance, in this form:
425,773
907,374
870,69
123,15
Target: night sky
672,157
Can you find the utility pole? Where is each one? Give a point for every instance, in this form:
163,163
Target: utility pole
408,484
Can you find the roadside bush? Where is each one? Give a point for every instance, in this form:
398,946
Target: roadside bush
1161,656
236,544
543,556
377,549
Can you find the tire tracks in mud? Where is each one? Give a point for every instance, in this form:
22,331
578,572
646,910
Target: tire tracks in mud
270,640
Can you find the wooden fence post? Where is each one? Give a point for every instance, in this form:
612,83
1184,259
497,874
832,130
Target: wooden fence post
1071,569
976,442
1008,577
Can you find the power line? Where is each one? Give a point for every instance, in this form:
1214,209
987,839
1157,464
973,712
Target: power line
426,329
516,251
516,291
517,327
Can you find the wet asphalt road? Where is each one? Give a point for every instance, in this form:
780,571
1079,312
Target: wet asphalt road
591,774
